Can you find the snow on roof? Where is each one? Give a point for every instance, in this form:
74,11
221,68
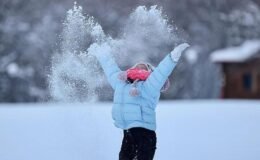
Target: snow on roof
237,54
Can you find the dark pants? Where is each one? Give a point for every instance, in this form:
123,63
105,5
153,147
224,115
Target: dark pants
138,144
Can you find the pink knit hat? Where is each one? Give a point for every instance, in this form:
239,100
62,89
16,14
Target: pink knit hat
135,74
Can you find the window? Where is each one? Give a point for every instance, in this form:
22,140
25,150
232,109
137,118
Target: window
247,81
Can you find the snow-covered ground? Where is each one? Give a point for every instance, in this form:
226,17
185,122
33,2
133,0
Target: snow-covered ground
187,130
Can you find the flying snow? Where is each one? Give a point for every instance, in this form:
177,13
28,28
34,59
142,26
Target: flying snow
76,75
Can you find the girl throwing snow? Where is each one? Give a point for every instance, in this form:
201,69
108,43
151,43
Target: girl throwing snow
136,94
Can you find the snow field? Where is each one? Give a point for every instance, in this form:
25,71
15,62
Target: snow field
197,130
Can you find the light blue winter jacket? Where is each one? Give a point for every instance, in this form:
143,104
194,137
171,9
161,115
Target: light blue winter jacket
136,111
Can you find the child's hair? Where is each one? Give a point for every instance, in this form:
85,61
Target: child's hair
149,67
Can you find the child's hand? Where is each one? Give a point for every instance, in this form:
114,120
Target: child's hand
99,49
177,52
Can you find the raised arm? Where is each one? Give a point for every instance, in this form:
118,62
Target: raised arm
103,54
158,77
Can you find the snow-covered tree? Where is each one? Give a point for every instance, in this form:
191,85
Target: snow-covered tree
30,29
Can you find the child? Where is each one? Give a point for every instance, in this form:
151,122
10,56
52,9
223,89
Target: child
137,92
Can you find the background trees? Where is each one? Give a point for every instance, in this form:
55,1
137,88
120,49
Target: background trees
30,29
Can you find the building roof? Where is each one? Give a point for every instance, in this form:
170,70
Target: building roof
241,53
